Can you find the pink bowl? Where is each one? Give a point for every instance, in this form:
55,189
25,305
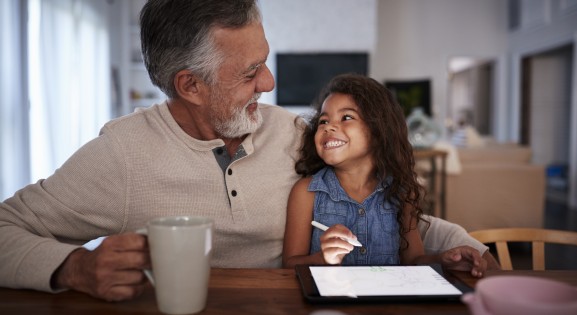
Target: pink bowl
503,295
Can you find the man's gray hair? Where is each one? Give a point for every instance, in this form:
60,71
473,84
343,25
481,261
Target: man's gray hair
178,34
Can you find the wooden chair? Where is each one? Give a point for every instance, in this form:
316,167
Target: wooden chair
538,238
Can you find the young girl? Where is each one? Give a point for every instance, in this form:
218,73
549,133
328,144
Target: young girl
358,179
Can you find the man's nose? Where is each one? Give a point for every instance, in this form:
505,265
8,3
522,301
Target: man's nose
265,81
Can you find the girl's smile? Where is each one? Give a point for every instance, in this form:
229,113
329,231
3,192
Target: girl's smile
333,143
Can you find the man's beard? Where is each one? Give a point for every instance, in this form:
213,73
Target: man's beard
239,122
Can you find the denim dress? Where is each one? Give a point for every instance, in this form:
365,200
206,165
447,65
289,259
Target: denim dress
374,221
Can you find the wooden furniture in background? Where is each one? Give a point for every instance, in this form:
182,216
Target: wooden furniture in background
537,237
497,187
435,202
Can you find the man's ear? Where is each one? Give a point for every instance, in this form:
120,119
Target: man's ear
190,87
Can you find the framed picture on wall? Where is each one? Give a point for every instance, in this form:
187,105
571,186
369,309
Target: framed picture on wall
412,94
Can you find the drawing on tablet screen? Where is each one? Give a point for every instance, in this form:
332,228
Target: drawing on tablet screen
381,280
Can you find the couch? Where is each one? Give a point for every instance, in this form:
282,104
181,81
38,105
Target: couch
497,186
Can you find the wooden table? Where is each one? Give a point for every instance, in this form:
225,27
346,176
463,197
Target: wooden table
239,291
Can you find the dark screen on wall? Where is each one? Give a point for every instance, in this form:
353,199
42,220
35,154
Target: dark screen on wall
300,77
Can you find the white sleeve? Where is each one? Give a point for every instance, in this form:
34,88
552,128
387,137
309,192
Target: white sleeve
443,235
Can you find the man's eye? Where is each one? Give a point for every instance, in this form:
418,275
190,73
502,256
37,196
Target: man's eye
253,72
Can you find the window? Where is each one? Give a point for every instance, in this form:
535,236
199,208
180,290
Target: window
66,85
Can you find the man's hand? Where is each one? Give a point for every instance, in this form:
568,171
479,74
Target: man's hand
113,271
464,258
492,263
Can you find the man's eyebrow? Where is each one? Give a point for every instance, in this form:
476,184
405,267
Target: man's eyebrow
255,66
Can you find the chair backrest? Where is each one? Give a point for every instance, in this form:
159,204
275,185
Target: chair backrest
537,237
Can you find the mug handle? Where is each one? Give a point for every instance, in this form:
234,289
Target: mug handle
147,272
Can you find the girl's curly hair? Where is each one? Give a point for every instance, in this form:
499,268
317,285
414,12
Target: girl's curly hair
392,151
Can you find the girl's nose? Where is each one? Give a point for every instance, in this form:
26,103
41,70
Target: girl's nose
330,127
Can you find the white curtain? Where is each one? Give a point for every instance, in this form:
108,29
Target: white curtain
69,78
54,84
14,163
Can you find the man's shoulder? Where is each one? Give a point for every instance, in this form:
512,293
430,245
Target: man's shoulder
133,121
276,111
280,129
277,115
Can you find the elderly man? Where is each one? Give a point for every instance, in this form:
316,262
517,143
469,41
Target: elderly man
209,150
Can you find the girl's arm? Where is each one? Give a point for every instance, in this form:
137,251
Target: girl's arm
298,231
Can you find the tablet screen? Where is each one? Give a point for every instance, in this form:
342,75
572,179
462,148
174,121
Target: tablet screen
381,280
330,284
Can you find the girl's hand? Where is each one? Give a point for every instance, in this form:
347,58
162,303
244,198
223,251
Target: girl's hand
334,246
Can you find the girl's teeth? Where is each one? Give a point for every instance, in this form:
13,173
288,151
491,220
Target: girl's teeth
332,144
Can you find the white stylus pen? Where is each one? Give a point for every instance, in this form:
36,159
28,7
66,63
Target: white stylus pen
324,228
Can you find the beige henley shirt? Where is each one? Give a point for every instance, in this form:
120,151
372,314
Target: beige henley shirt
143,166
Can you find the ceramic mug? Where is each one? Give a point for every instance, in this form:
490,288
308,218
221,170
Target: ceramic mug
180,252
527,295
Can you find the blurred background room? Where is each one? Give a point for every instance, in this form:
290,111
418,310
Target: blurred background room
497,78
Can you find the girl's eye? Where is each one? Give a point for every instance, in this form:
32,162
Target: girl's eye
323,122
347,117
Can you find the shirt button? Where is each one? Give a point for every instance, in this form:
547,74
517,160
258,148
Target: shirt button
229,171
361,211
233,193
363,250
219,151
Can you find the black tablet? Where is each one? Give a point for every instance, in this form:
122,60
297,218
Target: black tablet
393,284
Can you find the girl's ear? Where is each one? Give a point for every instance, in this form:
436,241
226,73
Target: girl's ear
190,87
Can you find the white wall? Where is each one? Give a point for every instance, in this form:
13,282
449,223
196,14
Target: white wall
550,107
317,26
417,38
545,26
